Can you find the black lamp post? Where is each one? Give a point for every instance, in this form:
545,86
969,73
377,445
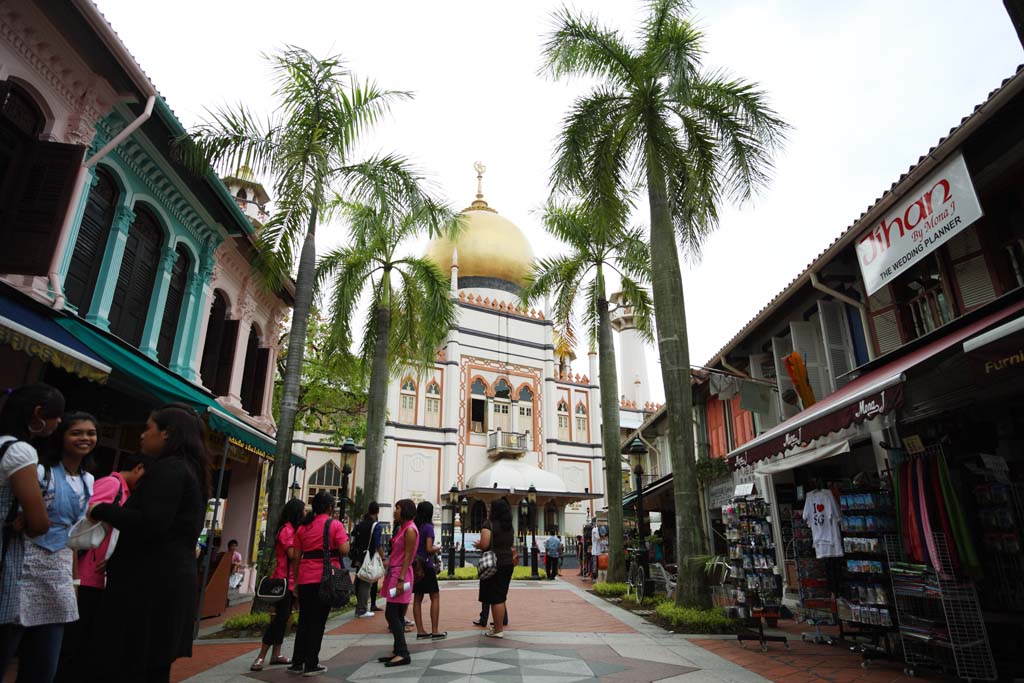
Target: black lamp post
637,449
531,496
348,448
295,487
453,502
524,525
464,511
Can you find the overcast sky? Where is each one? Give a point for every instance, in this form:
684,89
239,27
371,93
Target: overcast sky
868,87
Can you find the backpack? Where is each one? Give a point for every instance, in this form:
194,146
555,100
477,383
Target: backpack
602,530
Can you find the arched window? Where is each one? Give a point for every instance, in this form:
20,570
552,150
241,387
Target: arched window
219,349
432,407
478,406
501,406
582,431
526,405
407,402
137,277
242,195
176,289
97,219
477,516
254,373
563,420
326,478
551,518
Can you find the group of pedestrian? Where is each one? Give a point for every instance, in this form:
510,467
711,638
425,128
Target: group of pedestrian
123,609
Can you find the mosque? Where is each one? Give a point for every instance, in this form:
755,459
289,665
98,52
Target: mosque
500,411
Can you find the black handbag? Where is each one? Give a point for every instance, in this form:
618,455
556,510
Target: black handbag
271,590
335,585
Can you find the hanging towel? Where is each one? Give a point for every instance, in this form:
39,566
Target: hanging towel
798,373
961,533
756,397
724,386
926,527
935,488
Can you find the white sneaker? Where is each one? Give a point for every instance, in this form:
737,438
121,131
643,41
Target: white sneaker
365,615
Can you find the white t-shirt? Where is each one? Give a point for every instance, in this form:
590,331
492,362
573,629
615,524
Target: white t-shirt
822,514
18,457
595,541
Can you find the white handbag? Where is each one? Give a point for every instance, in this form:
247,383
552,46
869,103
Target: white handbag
372,568
86,534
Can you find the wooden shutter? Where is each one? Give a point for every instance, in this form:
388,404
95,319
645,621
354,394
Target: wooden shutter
260,380
973,282
807,343
249,370
172,309
742,423
885,321
226,358
214,335
716,427
838,341
763,367
136,279
782,347
91,242
34,204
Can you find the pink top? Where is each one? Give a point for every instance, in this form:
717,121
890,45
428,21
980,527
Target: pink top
285,540
395,565
310,537
103,491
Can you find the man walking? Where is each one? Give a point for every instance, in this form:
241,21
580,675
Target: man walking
366,537
552,553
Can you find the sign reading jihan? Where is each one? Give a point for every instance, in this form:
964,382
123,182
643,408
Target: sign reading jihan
933,212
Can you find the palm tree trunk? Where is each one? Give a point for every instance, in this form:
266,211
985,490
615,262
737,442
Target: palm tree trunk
377,410
290,391
673,348
610,434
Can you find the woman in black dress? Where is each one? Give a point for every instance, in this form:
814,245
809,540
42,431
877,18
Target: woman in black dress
149,605
497,535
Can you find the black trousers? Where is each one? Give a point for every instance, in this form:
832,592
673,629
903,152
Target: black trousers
274,635
395,614
310,633
74,651
485,614
551,566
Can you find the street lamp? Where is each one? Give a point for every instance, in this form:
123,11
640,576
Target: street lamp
531,495
348,448
524,525
453,501
637,451
464,511
296,486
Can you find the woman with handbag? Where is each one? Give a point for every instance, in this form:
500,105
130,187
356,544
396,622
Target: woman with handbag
398,580
285,555
318,534
149,605
425,572
28,413
497,537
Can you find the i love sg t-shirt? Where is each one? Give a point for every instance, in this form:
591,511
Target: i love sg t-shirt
822,514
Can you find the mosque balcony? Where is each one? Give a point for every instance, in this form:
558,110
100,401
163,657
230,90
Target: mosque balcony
501,443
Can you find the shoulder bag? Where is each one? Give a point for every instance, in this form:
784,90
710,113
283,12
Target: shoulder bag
372,567
335,585
488,565
272,590
85,534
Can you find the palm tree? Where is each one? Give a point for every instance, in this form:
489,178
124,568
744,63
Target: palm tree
411,308
691,137
598,240
305,147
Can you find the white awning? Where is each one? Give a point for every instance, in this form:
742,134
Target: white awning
994,334
801,458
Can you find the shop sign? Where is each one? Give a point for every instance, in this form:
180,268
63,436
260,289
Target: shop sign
938,208
720,492
866,408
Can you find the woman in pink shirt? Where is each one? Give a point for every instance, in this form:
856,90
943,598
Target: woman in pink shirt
399,578
285,555
309,542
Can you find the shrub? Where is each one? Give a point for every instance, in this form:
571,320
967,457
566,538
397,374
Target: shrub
650,602
521,572
693,620
610,590
467,573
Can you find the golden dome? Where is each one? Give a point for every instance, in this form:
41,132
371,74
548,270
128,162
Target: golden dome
490,247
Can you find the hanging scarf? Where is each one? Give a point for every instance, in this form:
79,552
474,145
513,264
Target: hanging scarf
935,488
961,533
794,363
926,525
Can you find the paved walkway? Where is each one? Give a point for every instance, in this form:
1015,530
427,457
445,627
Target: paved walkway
558,633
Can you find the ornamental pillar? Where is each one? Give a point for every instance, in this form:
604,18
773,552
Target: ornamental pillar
110,266
181,361
201,288
155,317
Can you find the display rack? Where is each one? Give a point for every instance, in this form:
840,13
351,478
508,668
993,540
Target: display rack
940,621
1000,515
817,606
755,576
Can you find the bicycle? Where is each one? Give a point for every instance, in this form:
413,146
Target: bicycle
635,577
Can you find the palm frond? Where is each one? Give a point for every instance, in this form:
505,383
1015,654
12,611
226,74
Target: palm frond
580,46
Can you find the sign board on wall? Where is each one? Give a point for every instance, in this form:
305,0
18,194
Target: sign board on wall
936,209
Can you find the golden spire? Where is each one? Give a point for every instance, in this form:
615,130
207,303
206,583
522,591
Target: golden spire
479,204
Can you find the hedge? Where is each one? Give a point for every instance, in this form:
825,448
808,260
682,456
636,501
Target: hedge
693,620
468,573
610,590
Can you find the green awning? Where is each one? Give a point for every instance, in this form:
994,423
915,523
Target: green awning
167,387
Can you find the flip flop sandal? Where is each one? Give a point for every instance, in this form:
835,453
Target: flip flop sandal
423,636
280,660
257,665
439,636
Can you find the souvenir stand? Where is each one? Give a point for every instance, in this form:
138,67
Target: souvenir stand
755,582
817,604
